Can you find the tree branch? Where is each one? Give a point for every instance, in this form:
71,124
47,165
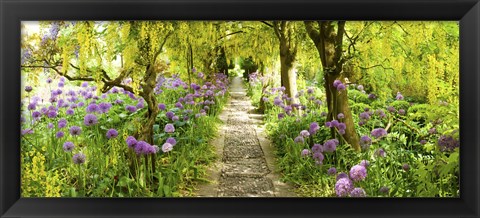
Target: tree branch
266,23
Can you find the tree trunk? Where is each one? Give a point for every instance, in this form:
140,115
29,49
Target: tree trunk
329,45
287,58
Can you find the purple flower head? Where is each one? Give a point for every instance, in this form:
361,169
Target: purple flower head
358,193
365,116
140,105
406,167
317,148
104,107
341,126
318,156
332,171
92,108
68,146
305,152
170,115
59,134
372,96
131,141
341,131
336,83
401,112
304,133
365,163
90,120
50,125
79,158
334,123
49,80
343,187
161,107
277,101
314,128
423,141
28,88
175,118
358,173
167,147
330,145
281,116
379,132
340,116
447,143
169,128
380,153
340,87
130,108
433,130
141,147
62,123
365,142
399,96
32,106
70,111
172,141
75,130
112,133
27,131
328,124
341,176
299,140
52,114
61,84
318,102
360,87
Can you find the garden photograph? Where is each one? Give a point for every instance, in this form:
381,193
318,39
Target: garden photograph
274,108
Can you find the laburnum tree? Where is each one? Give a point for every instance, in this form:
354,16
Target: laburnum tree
122,54
328,39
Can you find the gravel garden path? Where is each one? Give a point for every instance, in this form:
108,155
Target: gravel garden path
247,164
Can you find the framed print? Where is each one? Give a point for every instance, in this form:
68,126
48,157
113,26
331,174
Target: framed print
239,108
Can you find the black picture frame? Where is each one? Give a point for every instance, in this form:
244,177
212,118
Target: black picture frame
13,12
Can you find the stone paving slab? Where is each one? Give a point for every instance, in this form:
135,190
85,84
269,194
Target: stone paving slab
240,167
245,187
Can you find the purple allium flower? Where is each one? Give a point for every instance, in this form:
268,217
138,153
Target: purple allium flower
131,141
399,96
78,158
340,116
360,87
140,105
433,130
104,107
161,107
318,157
75,130
32,106
332,171
406,167
59,134
380,153
384,190
380,113
401,112
372,96
343,187
305,152
70,111
365,142
423,141
167,147
358,173
92,108
52,114
61,84
361,123
28,88
317,148
112,133
118,101
62,124
281,116
365,163
68,146
318,102
299,140
170,115
391,109
81,104
130,108
341,126
49,80
169,128
328,124
323,114
336,83
27,131
304,133
340,87
341,131
141,147
314,128
90,120
277,101
330,145
334,123
357,193
172,141
50,125
379,132
447,143
175,118
341,176
36,114
364,116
